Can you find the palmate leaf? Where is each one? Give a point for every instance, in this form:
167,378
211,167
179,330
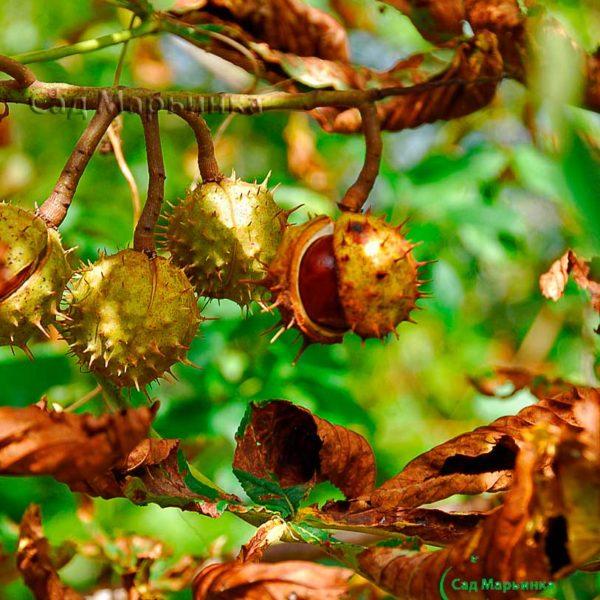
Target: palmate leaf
283,451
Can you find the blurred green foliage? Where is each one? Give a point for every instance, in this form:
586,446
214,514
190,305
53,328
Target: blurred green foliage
494,198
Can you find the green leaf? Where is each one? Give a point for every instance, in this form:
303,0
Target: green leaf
270,494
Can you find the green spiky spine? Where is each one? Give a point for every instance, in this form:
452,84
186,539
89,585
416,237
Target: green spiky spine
377,273
33,253
223,234
131,317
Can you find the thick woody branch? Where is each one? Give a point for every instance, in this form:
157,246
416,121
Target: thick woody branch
22,75
207,162
357,194
54,209
143,238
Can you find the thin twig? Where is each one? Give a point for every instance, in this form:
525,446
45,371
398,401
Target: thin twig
23,76
117,146
114,137
54,209
179,28
207,162
143,238
357,194
119,69
84,399
148,27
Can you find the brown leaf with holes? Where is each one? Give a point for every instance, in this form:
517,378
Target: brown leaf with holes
298,447
70,447
553,282
152,473
480,461
547,526
33,560
277,581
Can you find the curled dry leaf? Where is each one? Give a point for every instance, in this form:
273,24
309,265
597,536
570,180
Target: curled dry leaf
281,439
479,461
553,282
70,447
287,25
477,59
276,581
267,534
33,560
318,58
436,20
154,471
548,525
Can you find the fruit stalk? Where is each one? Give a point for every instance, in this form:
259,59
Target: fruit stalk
23,76
54,210
357,194
143,238
207,162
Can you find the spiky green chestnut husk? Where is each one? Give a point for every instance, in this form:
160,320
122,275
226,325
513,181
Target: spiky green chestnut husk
131,317
223,234
356,273
35,273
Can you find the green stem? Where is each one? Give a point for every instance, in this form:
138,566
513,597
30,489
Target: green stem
112,394
147,28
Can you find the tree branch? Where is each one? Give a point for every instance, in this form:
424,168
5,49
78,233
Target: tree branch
207,162
22,75
42,95
357,194
143,238
54,209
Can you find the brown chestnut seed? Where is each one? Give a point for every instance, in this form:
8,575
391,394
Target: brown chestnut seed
356,273
318,285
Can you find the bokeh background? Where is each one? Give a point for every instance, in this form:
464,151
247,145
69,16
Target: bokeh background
494,198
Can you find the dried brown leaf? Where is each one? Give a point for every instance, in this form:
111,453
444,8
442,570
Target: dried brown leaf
152,473
479,461
298,447
431,525
290,26
279,581
553,282
436,20
477,59
33,560
548,525
70,447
